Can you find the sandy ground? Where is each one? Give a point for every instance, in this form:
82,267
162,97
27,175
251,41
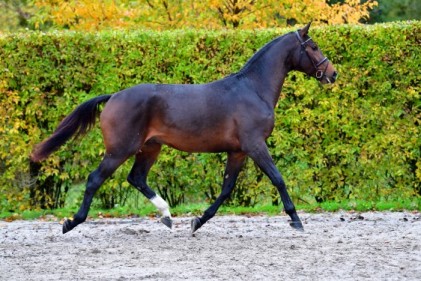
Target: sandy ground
334,246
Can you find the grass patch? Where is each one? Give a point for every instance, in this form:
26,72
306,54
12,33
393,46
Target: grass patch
198,209
364,206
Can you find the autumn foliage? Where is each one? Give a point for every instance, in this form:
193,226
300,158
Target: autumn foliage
205,14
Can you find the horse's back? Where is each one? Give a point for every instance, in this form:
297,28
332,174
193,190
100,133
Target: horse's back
197,117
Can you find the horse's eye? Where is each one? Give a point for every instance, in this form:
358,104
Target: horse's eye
314,47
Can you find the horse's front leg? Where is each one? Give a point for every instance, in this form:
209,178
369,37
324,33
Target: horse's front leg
234,163
260,154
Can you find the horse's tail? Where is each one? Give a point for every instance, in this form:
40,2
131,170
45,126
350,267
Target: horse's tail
78,123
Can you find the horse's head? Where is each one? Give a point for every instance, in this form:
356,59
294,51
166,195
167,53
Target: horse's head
310,60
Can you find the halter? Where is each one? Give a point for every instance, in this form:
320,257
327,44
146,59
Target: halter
319,74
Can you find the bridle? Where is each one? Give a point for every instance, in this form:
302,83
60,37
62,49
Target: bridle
319,74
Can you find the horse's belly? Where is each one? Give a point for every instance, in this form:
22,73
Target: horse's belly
203,142
201,145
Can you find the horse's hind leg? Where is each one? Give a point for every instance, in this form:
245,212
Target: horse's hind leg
137,177
108,165
234,164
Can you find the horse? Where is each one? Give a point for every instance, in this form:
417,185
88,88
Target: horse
233,115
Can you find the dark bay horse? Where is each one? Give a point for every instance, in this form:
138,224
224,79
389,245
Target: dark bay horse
233,115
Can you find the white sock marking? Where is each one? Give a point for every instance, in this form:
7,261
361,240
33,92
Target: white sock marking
161,205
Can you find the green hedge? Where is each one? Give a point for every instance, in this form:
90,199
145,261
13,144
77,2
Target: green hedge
357,139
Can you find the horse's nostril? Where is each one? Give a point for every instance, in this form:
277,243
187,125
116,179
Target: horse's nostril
334,76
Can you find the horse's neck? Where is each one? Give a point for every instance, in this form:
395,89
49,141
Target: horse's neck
268,72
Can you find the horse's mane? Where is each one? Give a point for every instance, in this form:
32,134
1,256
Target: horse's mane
258,54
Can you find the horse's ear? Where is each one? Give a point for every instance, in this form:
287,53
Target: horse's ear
304,31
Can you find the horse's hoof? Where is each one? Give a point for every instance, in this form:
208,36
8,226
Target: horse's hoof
167,221
297,225
195,224
66,226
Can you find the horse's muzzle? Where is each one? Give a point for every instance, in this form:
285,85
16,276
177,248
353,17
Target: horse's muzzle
330,79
